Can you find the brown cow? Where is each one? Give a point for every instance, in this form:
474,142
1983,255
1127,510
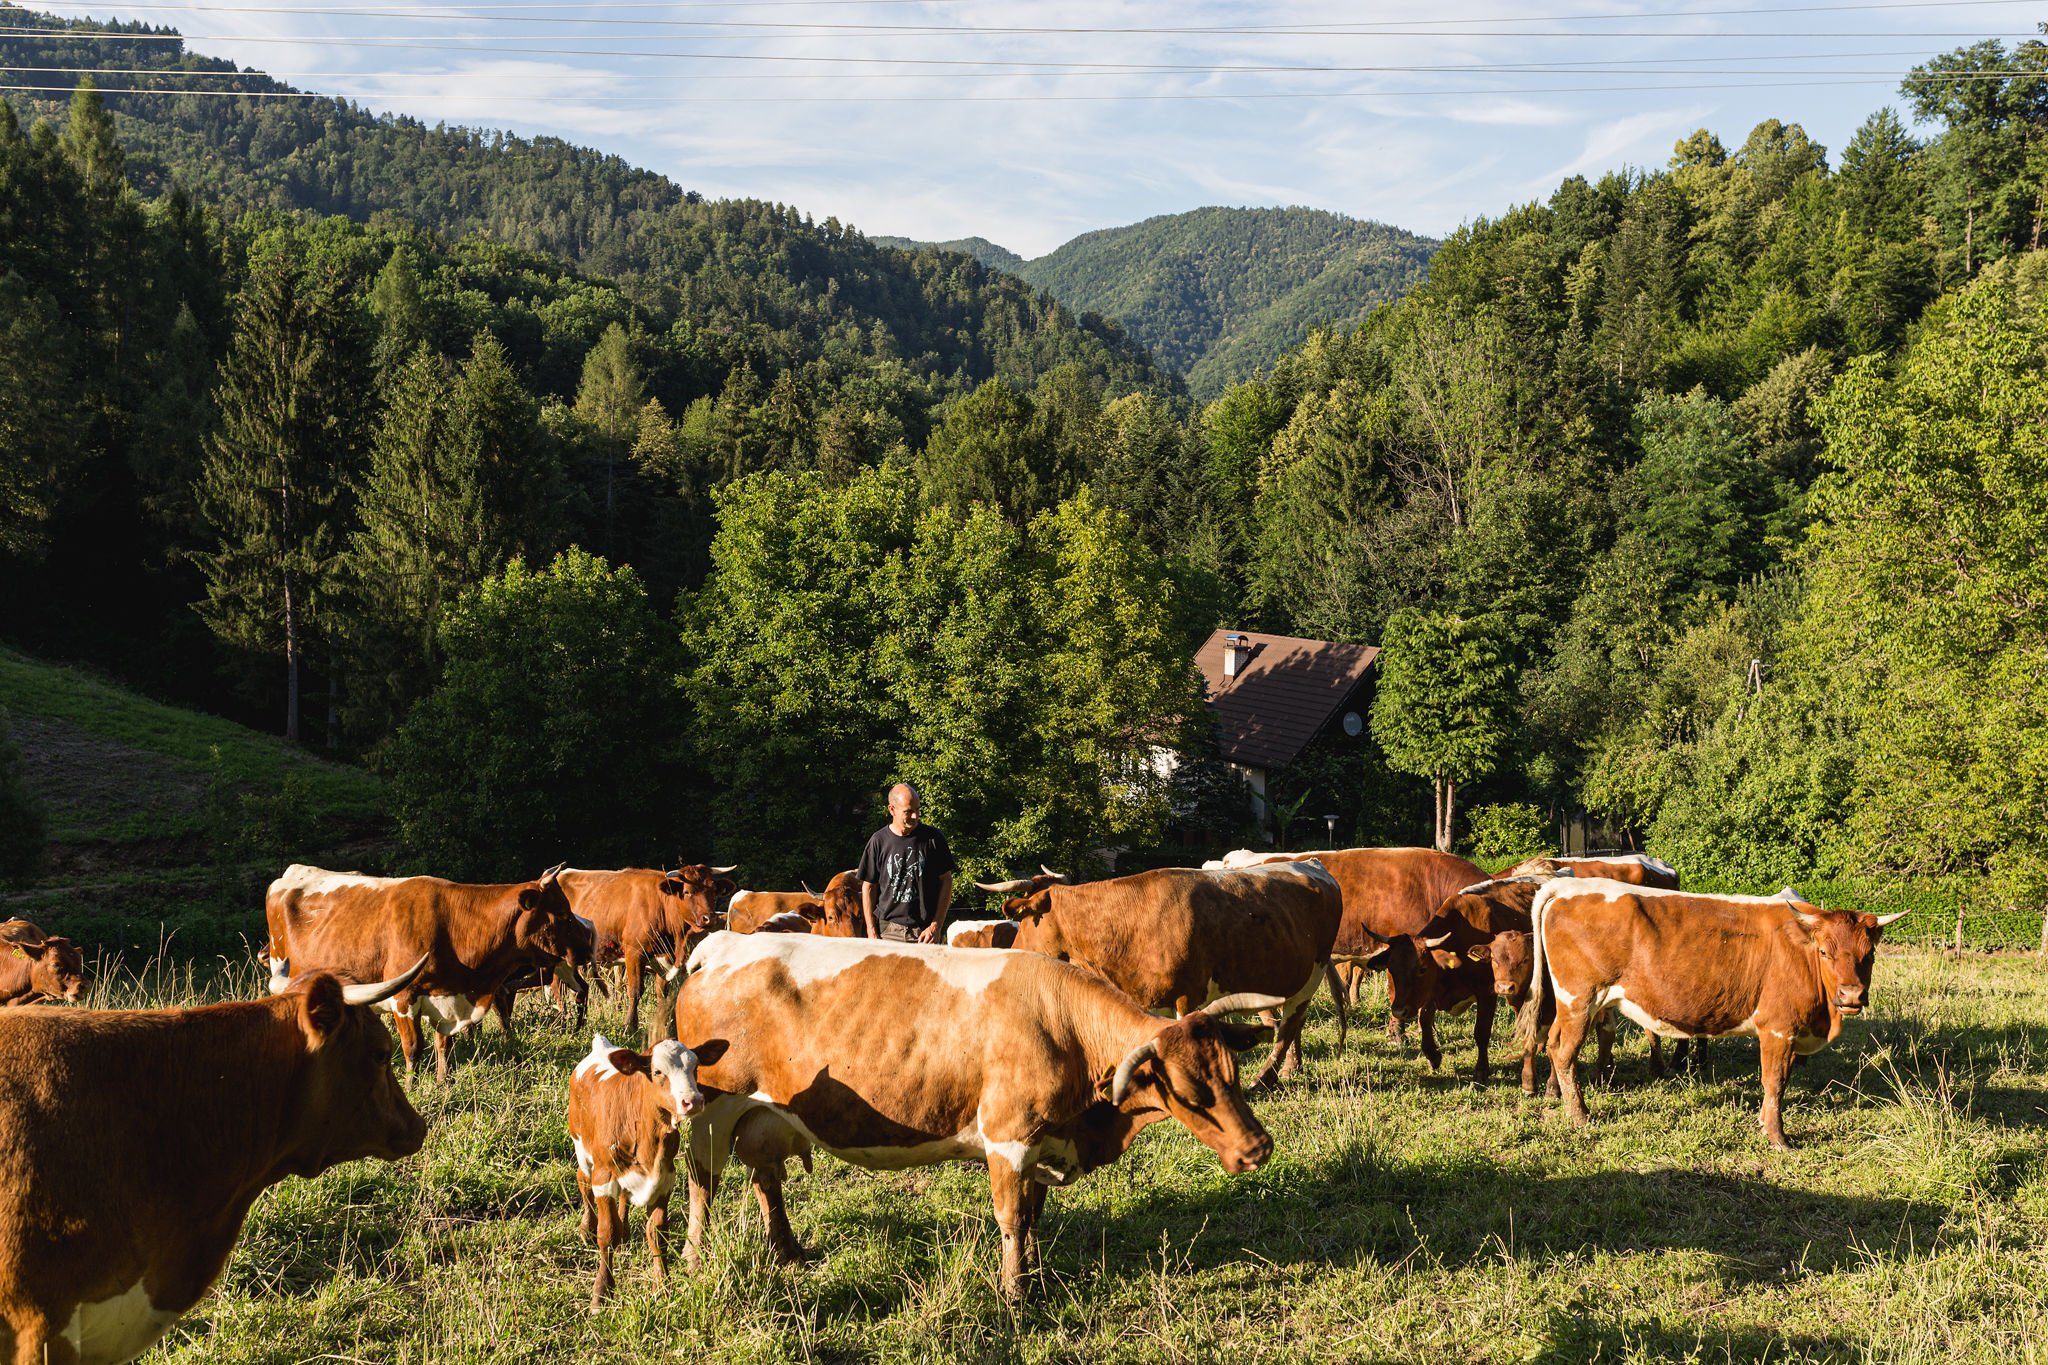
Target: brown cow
1174,937
1390,896
475,938
35,966
625,1109
651,916
1461,942
1684,965
892,1055
132,1143
835,914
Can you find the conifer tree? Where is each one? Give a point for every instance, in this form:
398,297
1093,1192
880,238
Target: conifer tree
276,472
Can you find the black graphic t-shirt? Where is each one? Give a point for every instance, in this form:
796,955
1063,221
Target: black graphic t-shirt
905,870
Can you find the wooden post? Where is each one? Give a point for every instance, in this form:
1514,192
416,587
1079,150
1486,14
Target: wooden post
1959,926
2044,932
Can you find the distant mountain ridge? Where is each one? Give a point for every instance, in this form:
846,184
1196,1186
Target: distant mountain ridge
1218,293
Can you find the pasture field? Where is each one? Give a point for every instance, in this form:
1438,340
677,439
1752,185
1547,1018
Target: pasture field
1405,1216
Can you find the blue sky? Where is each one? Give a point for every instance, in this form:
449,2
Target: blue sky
1030,122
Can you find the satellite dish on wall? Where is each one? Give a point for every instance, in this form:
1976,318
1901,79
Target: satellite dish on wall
1353,725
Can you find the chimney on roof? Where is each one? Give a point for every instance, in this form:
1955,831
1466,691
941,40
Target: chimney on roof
1236,650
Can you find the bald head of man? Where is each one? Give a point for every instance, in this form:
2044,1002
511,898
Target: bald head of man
906,808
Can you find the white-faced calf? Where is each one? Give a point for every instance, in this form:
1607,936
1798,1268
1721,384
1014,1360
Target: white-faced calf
625,1109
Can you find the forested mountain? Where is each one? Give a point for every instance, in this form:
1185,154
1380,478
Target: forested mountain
1712,494
980,248
1219,293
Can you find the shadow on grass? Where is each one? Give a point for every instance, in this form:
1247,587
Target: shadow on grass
1576,1333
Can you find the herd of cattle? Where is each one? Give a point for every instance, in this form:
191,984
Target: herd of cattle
1040,1043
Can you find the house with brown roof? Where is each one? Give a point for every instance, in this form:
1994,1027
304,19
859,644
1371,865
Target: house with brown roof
1275,694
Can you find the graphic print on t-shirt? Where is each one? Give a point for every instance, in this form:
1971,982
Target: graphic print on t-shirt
903,870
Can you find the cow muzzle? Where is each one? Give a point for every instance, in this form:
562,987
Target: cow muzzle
1249,1157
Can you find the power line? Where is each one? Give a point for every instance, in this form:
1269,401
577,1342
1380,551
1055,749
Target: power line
1159,97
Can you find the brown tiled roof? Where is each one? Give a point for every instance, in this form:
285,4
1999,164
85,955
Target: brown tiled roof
1281,696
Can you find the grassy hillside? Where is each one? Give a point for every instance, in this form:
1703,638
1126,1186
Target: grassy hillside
1404,1216
163,819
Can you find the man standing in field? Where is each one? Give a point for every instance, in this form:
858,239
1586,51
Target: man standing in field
906,874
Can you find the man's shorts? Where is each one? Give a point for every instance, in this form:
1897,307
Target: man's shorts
898,933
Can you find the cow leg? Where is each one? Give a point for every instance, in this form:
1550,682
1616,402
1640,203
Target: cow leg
1774,1052
1567,1036
1395,1028
1011,1193
635,967
502,1001
408,1038
701,1164
1430,1049
782,1242
1482,1037
442,1045
1657,1056
1034,1208
1286,1058
1334,979
608,1236
1603,1066
657,1229
586,1227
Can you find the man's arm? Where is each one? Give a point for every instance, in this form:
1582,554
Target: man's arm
932,930
867,908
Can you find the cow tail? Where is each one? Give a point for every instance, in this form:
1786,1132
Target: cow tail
1330,978
1539,979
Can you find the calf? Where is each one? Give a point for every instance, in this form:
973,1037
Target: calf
1683,966
651,917
624,1112
1037,1067
132,1143
1460,940
35,967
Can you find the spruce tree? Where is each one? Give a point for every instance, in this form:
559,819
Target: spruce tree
277,470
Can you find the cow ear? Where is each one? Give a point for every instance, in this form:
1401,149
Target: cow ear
1479,952
709,1051
626,1060
529,897
1238,1037
1444,959
811,910
724,886
321,1010
671,887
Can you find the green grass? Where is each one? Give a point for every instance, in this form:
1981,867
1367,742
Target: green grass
116,767
1404,1217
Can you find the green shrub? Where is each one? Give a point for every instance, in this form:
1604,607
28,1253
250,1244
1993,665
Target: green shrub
24,826
1510,831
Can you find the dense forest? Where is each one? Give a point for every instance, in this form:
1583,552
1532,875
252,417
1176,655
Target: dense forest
1713,493
1218,294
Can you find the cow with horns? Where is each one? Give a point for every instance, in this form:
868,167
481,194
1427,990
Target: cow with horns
892,1055
1175,937
132,1143
835,914
35,967
1688,966
475,940
651,917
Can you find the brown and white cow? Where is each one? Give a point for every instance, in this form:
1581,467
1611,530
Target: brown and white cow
834,914
35,967
625,1112
1683,965
1176,937
475,938
892,1055
1462,941
1637,869
1390,896
981,933
132,1143
650,916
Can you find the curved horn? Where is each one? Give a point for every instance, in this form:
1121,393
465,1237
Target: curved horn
1009,888
1440,940
1380,939
1883,920
379,991
726,870
1244,1002
807,890
1121,1084
1050,873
